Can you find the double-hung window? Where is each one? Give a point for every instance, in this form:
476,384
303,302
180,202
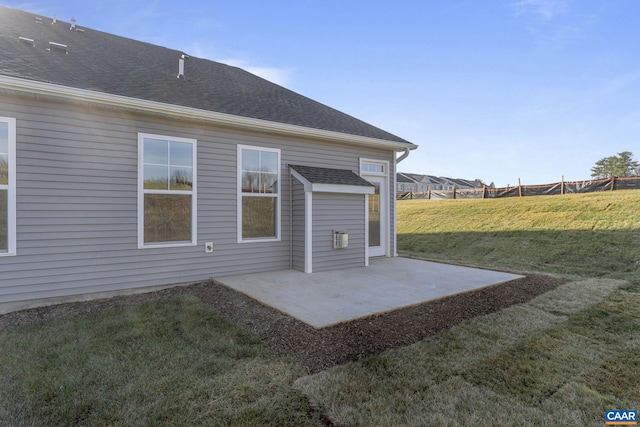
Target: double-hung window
166,191
258,194
7,186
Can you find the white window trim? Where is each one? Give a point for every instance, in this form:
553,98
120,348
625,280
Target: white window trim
11,189
239,193
142,192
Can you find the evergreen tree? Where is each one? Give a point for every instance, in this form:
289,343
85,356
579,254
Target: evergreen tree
619,166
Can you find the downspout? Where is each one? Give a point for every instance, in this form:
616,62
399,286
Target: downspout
290,221
395,207
403,156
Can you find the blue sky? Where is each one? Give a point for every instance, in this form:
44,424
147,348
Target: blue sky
495,89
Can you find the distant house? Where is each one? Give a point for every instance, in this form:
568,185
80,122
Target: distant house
465,184
416,183
125,165
409,182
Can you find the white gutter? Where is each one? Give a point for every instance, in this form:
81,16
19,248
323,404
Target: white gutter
404,155
85,95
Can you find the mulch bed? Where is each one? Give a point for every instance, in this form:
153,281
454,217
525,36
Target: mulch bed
319,349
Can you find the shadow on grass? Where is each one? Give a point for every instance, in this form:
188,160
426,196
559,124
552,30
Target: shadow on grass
581,253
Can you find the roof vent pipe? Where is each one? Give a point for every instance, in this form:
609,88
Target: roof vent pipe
181,66
73,23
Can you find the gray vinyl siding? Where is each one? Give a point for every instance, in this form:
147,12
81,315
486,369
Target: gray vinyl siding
77,200
298,228
344,212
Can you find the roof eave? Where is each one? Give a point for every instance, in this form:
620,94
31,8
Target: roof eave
85,95
315,187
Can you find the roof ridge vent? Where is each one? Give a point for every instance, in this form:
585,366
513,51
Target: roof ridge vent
58,46
27,40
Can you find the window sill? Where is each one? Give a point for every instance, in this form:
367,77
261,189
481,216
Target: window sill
260,240
167,245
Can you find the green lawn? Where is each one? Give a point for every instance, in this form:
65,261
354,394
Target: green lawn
167,363
559,360
582,235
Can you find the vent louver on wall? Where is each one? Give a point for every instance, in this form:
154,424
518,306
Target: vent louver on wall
340,239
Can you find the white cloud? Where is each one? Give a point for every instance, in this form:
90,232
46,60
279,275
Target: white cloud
552,24
278,76
546,9
622,82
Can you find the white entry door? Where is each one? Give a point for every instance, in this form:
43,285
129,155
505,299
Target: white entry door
378,224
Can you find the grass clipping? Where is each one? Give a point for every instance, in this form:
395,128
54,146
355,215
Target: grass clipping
546,362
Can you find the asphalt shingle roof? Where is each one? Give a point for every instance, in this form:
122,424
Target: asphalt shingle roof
330,176
116,65
401,177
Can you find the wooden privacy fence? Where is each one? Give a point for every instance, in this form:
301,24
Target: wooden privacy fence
558,188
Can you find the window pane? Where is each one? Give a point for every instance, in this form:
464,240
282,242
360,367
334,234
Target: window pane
4,221
250,182
4,153
269,162
374,217
269,183
250,160
167,218
372,167
259,171
4,169
156,177
156,151
258,217
256,182
181,178
181,154
4,138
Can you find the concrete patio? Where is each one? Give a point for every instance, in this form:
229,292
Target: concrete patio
326,298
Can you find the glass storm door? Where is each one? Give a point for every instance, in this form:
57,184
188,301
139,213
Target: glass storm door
377,224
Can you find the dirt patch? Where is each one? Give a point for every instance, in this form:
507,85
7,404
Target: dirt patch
319,349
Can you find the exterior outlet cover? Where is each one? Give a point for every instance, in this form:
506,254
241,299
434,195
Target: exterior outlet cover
208,247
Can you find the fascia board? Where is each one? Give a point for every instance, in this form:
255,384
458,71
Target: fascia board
348,189
85,95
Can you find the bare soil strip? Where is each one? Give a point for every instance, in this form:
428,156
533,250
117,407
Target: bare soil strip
319,349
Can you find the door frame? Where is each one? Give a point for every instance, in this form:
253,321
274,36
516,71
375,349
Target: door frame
377,171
